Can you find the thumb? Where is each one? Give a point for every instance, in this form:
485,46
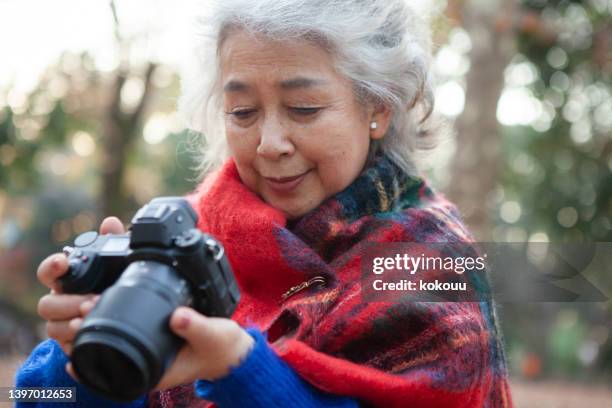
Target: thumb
189,324
112,225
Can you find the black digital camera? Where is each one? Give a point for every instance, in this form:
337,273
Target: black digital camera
125,344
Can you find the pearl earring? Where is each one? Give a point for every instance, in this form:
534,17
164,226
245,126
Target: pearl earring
373,125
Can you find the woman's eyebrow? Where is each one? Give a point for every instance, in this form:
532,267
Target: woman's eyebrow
288,84
301,82
235,86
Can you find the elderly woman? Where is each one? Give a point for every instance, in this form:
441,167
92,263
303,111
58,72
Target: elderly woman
321,103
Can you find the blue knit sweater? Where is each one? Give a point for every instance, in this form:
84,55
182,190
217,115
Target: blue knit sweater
261,380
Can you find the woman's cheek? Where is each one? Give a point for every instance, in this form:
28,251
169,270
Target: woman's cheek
241,146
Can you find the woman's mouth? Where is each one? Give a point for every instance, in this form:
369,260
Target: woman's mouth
285,184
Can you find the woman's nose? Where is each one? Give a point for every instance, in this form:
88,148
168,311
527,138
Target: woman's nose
275,140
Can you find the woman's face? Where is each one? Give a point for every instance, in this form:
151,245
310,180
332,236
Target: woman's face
293,124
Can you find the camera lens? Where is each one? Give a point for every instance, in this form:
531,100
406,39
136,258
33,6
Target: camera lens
114,366
125,344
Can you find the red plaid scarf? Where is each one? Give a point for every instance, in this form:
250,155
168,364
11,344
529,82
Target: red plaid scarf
396,354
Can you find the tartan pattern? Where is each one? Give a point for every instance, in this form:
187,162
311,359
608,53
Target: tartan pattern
389,354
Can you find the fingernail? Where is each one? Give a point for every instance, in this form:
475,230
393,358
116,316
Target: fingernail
55,261
75,323
86,307
183,320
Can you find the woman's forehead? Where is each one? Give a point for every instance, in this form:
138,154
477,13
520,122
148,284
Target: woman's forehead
294,63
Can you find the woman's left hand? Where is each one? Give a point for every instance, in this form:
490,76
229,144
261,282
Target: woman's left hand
212,346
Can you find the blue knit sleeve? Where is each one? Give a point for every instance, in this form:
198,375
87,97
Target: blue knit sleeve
264,380
45,367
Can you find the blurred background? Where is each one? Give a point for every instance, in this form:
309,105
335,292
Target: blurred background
88,128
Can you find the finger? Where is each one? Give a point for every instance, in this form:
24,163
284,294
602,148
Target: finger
112,225
88,305
51,269
66,347
75,324
197,328
64,331
71,372
185,322
61,307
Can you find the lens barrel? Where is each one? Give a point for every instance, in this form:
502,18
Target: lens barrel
125,344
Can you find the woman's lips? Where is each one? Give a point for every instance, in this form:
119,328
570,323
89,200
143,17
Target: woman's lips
285,184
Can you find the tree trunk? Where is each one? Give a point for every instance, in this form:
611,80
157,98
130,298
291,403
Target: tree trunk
120,130
476,163
119,134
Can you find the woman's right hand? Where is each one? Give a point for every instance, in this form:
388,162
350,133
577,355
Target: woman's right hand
64,313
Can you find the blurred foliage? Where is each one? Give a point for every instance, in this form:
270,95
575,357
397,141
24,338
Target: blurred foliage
50,144
558,177
561,173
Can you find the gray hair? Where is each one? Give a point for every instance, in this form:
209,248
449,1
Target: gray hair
382,46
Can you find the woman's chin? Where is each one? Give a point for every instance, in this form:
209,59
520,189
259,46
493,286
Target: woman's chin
293,206
292,214
292,209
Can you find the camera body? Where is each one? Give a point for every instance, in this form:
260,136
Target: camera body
125,345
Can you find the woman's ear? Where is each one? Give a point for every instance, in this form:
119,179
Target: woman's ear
380,120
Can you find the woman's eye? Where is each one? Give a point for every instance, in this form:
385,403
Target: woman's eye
305,111
242,113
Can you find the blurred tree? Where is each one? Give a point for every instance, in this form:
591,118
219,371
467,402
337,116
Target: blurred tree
122,124
548,178
562,166
478,155
81,145
556,184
